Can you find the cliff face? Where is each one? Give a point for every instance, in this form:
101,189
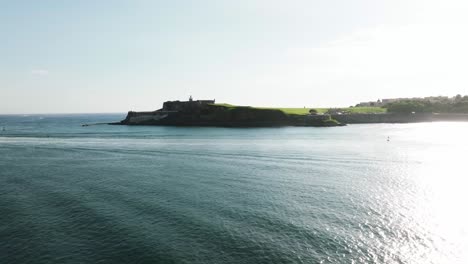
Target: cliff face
218,115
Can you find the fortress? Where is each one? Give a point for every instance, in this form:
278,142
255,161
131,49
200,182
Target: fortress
185,105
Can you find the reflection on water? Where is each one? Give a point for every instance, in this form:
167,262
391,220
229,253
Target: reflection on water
118,194
441,195
428,193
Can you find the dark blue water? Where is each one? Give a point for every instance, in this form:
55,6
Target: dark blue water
124,194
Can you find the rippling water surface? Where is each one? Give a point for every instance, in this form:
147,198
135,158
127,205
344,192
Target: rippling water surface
122,194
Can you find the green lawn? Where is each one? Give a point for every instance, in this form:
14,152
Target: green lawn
305,111
352,110
297,111
366,110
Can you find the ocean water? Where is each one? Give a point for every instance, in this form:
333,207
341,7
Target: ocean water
123,194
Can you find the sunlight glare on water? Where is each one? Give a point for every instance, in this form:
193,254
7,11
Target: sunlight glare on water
440,190
120,194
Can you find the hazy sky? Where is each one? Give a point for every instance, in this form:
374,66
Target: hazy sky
114,56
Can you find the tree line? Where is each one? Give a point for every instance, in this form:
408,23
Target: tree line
457,104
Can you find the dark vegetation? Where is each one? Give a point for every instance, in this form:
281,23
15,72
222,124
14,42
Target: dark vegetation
458,104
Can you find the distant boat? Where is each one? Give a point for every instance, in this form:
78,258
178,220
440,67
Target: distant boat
388,139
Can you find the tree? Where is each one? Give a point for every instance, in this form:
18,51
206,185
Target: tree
408,106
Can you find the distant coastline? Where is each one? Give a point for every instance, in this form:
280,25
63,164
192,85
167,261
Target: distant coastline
208,113
399,118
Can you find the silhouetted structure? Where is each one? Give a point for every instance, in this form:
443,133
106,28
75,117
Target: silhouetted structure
185,105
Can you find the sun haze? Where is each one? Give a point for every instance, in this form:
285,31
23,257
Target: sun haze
114,56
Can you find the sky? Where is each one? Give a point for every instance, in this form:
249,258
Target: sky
115,56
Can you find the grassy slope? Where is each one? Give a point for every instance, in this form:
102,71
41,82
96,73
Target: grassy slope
366,110
298,111
305,111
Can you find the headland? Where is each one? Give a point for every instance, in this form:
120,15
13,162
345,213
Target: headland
207,113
